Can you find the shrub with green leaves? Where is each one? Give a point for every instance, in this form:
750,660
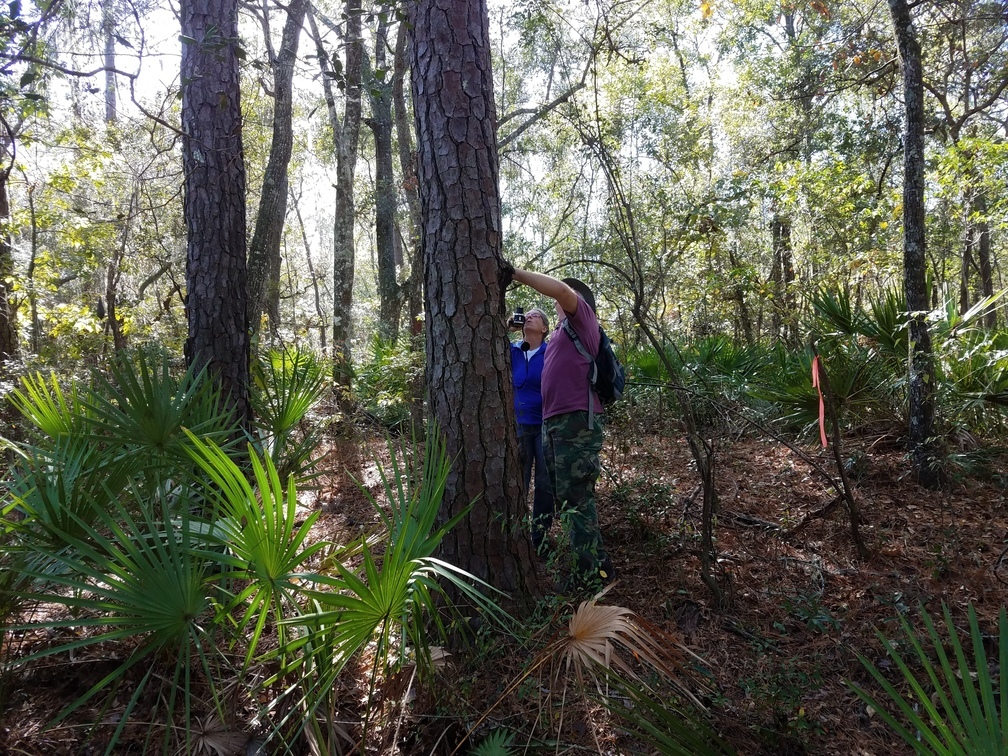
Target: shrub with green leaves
386,377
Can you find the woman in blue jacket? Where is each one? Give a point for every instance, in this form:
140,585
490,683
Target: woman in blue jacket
526,375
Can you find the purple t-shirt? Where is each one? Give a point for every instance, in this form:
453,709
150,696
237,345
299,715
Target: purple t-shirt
565,373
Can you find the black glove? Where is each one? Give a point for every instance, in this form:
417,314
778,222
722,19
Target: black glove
506,274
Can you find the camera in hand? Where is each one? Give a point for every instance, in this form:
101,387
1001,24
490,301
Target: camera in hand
519,316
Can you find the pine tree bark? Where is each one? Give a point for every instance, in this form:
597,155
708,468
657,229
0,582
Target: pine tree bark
920,362
264,249
468,363
214,206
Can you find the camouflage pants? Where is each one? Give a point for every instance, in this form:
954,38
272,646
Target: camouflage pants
572,457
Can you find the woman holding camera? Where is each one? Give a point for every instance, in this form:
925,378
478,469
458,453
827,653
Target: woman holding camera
527,360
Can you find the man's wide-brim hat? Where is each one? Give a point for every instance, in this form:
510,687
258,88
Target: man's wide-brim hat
582,288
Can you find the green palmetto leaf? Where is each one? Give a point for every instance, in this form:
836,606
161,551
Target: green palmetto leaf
263,541
143,410
289,384
388,599
838,311
952,709
887,323
53,491
123,578
45,405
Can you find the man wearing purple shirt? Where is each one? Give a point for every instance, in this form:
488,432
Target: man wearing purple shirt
572,427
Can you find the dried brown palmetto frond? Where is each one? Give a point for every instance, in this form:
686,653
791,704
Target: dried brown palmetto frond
213,737
612,644
600,636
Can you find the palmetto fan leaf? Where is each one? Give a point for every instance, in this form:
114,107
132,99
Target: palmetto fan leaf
389,599
288,385
954,707
126,577
45,405
144,409
56,491
264,544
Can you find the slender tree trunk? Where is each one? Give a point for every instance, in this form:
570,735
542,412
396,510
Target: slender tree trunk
214,207
967,267
743,307
921,371
108,29
345,208
264,249
36,327
8,312
984,258
385,191
468,370
410,185
784,314
319,310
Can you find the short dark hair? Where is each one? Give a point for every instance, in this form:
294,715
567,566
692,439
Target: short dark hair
582,288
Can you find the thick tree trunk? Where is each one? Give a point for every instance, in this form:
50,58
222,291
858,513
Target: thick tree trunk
264,250
8,313
921,371
214,208
385,192
468,370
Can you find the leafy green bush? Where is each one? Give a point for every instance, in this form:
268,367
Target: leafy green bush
386,378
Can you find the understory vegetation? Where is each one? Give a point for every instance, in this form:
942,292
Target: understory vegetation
167,576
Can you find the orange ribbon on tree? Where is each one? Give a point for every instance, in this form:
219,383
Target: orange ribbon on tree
816,381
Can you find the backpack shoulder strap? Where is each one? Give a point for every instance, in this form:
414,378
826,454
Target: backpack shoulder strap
592,366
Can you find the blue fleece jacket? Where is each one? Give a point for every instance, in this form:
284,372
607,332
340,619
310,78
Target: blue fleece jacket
526,375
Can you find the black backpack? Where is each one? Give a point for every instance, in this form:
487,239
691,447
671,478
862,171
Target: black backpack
605,372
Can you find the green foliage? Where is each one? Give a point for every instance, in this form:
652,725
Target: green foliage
128,577
497,743
262,545
132,517
953,706
665,725
144,410
288,385
385,379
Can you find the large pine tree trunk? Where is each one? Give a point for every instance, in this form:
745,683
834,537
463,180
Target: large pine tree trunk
468,370
214,207
264,250
921,371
